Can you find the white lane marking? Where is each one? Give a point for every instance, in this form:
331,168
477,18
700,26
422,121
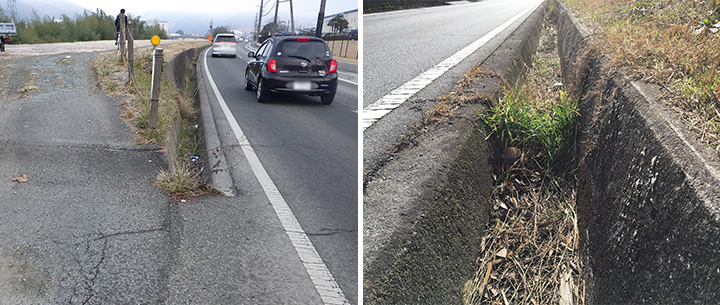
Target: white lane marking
373,112
325,284
348,81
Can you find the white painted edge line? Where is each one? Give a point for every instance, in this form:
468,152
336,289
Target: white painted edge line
325,284
348,81
373,112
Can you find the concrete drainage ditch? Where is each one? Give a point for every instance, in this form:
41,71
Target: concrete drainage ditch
648,212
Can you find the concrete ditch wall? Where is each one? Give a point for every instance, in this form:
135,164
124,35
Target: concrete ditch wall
648,194
436,191
176,71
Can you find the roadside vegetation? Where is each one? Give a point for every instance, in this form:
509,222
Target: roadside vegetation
529,254
177,116
86,27
672,43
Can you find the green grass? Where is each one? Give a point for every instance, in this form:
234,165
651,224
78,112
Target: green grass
520,122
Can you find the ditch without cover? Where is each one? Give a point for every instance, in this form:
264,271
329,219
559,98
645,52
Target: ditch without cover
609,198
529,254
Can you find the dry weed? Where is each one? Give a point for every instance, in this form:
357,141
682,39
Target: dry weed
529,254
672,43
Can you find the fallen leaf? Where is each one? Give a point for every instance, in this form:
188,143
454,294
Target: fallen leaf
502,253
22,178
566,283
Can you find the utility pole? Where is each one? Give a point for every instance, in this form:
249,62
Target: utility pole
259,24
12,9
292,18
321,19
275,24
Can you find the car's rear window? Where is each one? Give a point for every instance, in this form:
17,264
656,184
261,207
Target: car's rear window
307,49
224,38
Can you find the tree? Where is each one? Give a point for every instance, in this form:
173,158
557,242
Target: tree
3,17
180,32
220,29
338,23
267,28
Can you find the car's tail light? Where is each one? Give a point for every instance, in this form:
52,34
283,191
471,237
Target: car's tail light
272,65
333,66
303,39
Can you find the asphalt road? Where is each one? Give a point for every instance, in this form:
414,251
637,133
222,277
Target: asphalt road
310,152
401,45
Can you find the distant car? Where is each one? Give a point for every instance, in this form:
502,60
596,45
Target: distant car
293,64
353,35
224,45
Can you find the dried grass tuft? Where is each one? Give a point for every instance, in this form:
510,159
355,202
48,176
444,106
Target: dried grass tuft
672,43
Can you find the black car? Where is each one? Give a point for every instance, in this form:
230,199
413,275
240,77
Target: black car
292,64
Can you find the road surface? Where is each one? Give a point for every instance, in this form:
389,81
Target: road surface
310,153
401,45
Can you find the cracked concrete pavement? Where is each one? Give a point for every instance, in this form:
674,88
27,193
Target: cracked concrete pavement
88,226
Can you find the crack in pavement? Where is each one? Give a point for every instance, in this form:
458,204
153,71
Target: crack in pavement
105,237
331,232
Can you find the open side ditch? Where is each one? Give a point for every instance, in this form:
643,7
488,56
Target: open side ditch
427,208
634,216
529,254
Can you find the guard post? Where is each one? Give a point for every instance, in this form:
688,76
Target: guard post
122,36
130,50
156,76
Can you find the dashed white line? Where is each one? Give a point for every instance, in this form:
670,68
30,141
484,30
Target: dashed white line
373,112
325,284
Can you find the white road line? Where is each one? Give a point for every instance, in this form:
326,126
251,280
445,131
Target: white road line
373,112
348,81
325,284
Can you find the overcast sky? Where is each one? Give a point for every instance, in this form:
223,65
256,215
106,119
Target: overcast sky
305,11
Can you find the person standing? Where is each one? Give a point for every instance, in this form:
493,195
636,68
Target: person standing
117,24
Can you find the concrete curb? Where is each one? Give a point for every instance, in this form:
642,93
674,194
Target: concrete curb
426,205
215,169
648,209
348,66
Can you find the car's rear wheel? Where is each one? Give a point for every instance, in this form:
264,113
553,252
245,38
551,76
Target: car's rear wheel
327,99
261,94
248,85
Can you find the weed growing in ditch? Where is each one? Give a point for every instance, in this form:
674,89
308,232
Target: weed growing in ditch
177,116
541,128
529,255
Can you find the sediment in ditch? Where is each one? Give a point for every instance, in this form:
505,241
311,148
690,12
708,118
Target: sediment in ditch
648,192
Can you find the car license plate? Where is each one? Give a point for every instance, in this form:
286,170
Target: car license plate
302,86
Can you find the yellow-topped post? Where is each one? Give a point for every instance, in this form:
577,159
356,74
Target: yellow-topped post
155,40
